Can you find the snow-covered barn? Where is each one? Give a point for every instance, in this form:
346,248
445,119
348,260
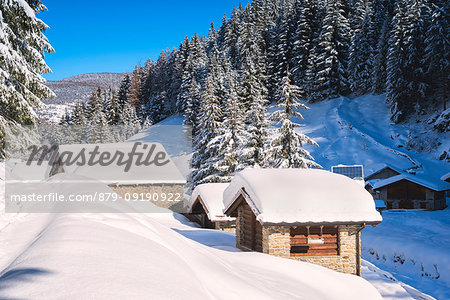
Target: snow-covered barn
206,207
309,215
151,176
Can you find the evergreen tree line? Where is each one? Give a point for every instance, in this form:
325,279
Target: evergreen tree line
280,51
105,117
330,48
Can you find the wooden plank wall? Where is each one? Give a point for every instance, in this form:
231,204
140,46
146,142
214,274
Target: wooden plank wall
252,230
300,246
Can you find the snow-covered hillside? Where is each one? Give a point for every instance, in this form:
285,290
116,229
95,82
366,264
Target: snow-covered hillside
359,131
79,87
69,90
414,247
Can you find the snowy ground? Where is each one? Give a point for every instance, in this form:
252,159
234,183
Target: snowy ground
414,247
163,255
137,256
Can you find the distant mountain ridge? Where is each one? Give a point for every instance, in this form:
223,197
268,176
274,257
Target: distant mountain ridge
79,87
75,88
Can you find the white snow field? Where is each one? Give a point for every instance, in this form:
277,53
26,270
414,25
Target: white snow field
158,256
414,247
141,256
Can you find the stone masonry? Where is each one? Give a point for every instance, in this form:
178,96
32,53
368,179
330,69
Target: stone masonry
276,241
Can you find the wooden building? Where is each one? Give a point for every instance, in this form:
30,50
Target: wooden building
309,215
408,191
206,207
383,173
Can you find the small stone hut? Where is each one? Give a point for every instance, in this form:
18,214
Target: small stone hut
309,215
206,207
163,185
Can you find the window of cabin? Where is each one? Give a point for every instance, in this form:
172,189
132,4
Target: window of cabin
314,240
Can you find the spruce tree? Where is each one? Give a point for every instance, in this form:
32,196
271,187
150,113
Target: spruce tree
134,93
437,52
362,53
286,149
379,74
405,88
22,60
331,53
209,124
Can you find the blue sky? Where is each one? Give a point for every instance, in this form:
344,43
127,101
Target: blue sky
113,36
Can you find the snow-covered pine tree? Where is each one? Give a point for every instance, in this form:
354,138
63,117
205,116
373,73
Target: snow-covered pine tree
231,137
22,49
123,91
282,47
286,149
251,64
405,90
361,55
99,131
379,74
208,128
437,52
307,23
231,36
78,115
331,53
134,93
112,107
129,122
22,60
94,104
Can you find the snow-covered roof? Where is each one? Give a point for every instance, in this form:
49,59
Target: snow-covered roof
386,166
445,177
426,182
114,174
301,196
211,197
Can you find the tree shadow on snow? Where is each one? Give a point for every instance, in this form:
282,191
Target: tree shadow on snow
14,278
212,238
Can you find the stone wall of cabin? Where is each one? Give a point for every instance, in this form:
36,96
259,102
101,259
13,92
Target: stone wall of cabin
276,241
174,203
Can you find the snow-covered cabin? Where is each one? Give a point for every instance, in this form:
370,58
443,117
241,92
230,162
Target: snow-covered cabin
409,191
206,207
160,183
385,172
309,215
